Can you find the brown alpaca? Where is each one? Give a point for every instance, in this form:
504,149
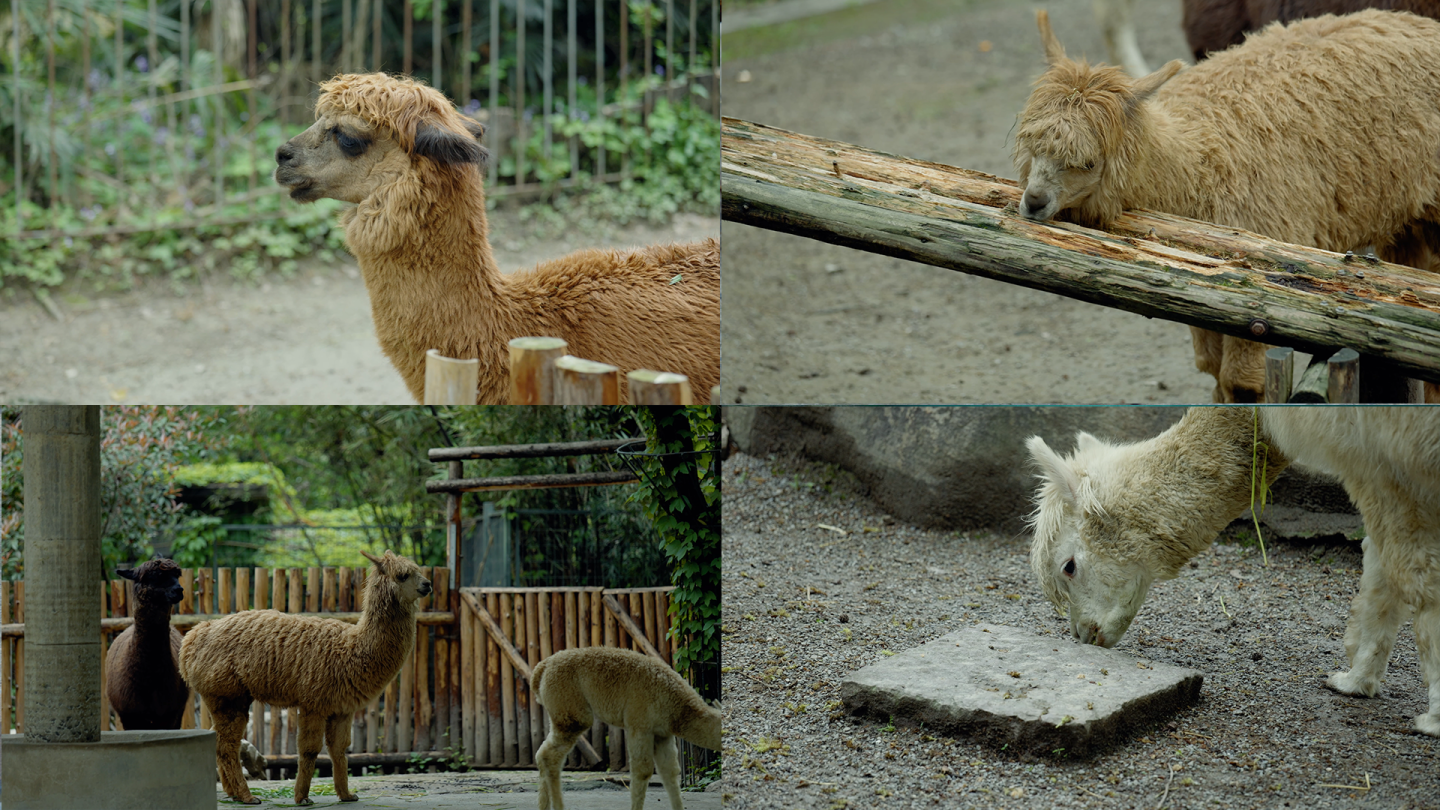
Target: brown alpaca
413,165
142,681
1277,136
1214,25
324,667
623,688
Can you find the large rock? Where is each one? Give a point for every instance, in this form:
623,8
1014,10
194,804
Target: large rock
966,467
1023,692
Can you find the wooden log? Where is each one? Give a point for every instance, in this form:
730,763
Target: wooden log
451,381
1224,279
1279,373
1343,383
1313,384
551,481
551,450
532,369
659,388
585,382
440,712
622,616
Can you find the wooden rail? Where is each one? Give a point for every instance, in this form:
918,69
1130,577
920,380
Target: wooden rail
1224,279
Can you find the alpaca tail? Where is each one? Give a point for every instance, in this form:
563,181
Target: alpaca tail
535,675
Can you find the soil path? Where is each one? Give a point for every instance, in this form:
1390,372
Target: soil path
938,80
304,340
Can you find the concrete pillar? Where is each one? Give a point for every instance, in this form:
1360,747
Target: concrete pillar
62,564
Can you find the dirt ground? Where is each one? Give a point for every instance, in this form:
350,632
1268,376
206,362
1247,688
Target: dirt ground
303,340
938,80
819,582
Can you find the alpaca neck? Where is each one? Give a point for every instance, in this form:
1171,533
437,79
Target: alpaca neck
152,631
1166,159
1199,475
384,635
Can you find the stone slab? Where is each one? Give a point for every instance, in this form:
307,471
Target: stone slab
125,770
1024,692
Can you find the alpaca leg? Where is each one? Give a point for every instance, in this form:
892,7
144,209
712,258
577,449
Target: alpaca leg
641,748
1375,616
337,739
1242,370
551,757
229,728
667,762
1209,351
311,737
1427,641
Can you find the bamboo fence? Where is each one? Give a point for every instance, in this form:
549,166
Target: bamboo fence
463,696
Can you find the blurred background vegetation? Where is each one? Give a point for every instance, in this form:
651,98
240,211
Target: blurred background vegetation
136,137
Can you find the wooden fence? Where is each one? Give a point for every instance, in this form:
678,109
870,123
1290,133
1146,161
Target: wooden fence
542,373
1223,279
462,696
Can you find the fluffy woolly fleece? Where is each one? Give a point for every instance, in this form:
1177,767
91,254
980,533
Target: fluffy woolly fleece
420,235
1214,25
1111,519
142,681
1321,133
326,668
623,688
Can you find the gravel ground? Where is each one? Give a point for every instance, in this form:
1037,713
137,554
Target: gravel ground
818,582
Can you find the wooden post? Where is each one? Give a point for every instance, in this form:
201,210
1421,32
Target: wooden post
524,745
242,589
329,597
532,369
585,382
507,683
187,588
659,388
1313,384
227,591
345,581
494,712
312,589
450,381
1344,377
467,678
1279,373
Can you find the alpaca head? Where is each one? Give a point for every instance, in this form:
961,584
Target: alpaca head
372,130
157,580
1089,559
1071,145
397,578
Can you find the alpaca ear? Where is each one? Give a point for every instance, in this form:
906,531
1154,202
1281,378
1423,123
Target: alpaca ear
1055,470
127,573
371,557
1084,442
1053,50
1144,88
446,147
477,129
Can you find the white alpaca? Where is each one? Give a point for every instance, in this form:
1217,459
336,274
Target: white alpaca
623,688
1118,28
1111,519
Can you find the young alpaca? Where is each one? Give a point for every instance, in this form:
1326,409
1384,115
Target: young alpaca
622,688
1118,28
142,681
324,667
1276,136
413,164
1214,25
1111,519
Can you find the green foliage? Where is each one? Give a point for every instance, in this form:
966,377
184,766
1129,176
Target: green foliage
140,447
682,497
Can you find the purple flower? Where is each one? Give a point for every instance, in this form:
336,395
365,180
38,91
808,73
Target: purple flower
142,64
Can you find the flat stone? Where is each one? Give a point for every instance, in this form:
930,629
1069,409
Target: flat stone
1022,692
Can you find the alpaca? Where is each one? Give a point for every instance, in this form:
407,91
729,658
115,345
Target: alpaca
1276,136
412,164
622,688
1111,519
142,681
1214,25
1118,29
324,667
142,675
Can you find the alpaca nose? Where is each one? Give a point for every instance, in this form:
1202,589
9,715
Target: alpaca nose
425,588
284,154
1033,201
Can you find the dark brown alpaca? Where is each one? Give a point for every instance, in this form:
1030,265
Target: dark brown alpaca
142,679
1214,25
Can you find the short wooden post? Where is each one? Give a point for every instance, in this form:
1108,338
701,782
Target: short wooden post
585,382
532,375
1312,385
449,381
1344,377
1279,373
659,388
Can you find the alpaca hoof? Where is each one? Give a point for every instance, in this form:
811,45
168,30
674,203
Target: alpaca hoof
1428,724
350,797
305,801
1346,683
248,800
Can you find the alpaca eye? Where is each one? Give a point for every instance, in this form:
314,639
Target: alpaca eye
348,145
403,577
1070,567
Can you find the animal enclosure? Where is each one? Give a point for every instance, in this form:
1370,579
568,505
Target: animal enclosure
1222,279
461,697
